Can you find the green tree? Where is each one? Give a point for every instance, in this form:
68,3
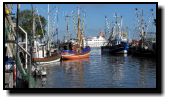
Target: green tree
25,21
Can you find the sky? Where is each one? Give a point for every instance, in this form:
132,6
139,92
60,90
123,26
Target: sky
94,17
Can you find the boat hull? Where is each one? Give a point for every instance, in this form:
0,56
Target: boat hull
48,59
67,55
117,49
144,54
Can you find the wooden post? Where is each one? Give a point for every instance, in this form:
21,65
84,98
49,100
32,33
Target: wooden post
17,28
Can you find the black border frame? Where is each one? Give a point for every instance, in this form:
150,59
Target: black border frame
159,67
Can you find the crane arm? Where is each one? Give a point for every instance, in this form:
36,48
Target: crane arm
10,8
107,24
83,24
138,20
40,23
149,21
74,24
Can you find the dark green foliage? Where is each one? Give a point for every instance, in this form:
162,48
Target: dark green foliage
7,31
25,21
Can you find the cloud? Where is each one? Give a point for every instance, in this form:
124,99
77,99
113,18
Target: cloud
92,5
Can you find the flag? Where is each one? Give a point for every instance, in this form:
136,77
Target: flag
36,16
56,32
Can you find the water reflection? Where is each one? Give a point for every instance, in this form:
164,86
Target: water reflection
146,71
74,72
100,71
116,70
41,81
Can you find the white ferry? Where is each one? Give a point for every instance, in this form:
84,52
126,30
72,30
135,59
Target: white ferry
97,41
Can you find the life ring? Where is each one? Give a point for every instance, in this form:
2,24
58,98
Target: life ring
15,75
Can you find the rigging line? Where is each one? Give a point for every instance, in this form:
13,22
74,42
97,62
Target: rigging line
52,9
54,21
40,23
54,18
146,13
57,19
153,16
42,10
135,28
149,21
51,31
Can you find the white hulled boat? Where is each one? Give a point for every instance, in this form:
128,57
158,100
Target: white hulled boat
97,41
40,54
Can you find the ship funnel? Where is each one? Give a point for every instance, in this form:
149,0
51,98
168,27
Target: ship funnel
101,33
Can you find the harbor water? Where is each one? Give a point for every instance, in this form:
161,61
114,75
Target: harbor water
100,71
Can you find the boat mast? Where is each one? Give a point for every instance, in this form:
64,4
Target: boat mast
66,18
149,21
33,25
83,23
74,25
109,40
121,25
79,29
142,25
80,36
82,29
54,23
107,24
117,34
48,28
138,20
67,30
142,29
126,32
40,23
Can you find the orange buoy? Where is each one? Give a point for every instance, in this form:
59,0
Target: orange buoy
15,74
7,12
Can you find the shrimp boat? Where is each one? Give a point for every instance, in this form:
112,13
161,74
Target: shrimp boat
145,47
76,49
42,55
118,42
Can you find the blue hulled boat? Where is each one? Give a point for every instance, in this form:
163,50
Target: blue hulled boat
117,42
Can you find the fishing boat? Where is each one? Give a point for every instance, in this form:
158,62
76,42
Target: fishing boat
42,55
147,45
145,48
76,49
118,42
55,58
72,54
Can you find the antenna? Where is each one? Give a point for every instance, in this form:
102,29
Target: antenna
66,19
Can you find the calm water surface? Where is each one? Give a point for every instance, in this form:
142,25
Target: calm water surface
100,71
